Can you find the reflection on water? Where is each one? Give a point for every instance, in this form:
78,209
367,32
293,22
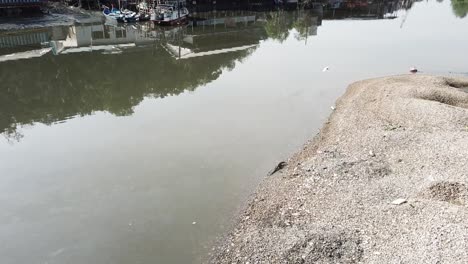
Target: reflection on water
460,7
80,71
117,138
98,67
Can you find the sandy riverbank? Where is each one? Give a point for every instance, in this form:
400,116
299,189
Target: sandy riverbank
401,137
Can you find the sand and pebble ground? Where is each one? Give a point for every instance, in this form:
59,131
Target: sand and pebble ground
385,181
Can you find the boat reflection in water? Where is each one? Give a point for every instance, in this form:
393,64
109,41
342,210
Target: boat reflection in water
92,61
123,156
89,62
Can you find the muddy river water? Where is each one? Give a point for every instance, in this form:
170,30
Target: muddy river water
135,144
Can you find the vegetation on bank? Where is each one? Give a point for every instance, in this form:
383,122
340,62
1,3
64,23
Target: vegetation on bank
460,8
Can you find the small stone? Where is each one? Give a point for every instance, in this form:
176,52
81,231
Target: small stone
399,201
371,153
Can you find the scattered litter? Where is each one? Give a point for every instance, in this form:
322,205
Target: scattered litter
194,223
333,108
57,252
413,70
325,69
399,201
371,153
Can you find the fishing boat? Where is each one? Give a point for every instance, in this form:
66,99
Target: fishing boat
170,13
120,16
144,10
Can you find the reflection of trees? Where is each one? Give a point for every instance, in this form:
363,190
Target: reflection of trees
278,25
54,88
460,8
302,25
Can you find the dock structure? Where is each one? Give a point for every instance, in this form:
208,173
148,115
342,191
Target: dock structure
32,38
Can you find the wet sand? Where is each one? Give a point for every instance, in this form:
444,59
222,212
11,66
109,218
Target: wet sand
385,181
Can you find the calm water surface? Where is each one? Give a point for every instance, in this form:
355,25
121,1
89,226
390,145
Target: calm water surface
137,145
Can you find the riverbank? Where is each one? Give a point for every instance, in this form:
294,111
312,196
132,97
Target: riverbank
52,15
385,181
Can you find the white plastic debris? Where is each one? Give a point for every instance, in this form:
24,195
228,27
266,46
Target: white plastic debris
399,201
413,70
326,69
194,223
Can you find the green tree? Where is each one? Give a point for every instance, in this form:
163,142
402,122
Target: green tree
460,8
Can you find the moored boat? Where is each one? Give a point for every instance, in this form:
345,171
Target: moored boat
144,10
120,16
170,13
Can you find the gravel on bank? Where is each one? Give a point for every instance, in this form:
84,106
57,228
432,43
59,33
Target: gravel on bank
385,181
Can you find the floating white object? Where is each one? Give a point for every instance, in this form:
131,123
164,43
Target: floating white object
325,69
194,223
332,108
399,201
